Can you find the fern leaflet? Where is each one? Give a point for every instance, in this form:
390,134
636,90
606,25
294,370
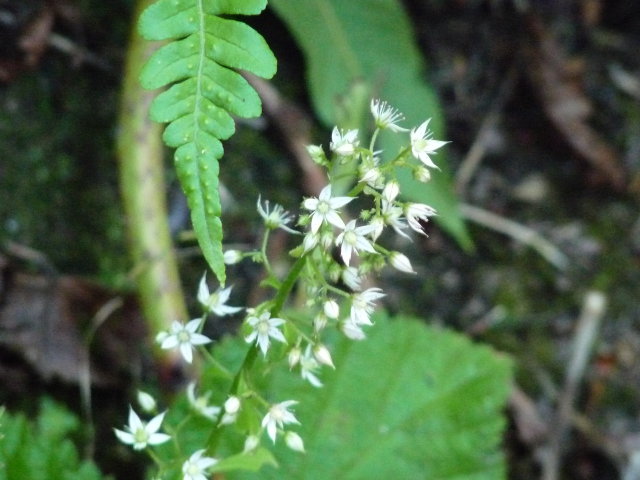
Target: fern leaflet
199,63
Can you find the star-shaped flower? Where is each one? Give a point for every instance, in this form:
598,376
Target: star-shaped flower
185,337
344,143
265,327
215,302
140,434
277,417
362,305
196,467
274,218
422,145
324,209
201,403
352,239
416,212
386,116
308,367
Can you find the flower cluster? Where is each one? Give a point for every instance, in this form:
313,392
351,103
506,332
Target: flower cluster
339,253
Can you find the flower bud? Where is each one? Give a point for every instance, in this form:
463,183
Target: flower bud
319,322
400,262
294,356
391,191
331,309
232,405
294,441
317,154
422,174
250,443
323,356
146,401
231,257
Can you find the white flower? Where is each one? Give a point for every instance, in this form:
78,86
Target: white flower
146,401
201,404
215,302
401,262
277,417
140,434
416,212
362,305
371,176
344,143
293,357
324,209
276,218
322,355
294,441
351,278
183,336
331,309
308,367
353,239
392,215
196,467
377,226
352,331
265,327
231,257
319,322
422,145
386,116
310,241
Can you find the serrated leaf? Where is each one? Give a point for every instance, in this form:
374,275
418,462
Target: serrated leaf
199,63
411,401
348,41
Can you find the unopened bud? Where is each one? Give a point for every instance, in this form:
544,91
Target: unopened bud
231,257
391,191
232,405
400,262
294,356
331,309
146,401
422,174
294,441
251,442
323,355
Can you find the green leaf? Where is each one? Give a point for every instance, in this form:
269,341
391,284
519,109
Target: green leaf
411,401
200,63
252,461
347,41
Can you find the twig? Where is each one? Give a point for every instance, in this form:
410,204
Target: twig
518,232
593,309
65,45
479,147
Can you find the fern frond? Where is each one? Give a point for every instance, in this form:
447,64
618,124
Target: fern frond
199,63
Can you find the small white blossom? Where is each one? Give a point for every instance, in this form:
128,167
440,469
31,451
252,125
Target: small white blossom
322,355
401,262
422,145
310,241
422,174
352,239
274,218
331,309
231,257
324,209
386,116
308,368
201,404
185,337
140,434
231,408
146,401
371,176
319,322
265,327
377,227
294,441
416,212
344,143
277,417
392,215
215,302
196,467
362,305
351,278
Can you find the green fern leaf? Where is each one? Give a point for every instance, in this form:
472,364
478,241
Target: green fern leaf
199,63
